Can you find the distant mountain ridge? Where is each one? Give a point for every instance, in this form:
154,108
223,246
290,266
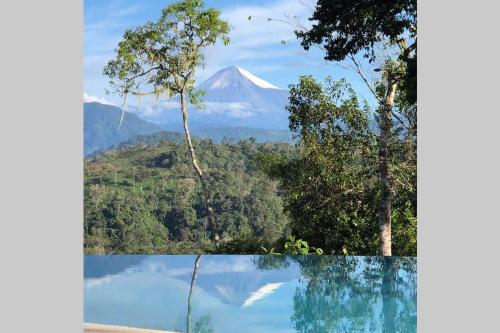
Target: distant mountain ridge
237,105
101,130
217,133
148,140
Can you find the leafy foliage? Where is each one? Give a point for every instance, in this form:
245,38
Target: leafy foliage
331,188
345,28
346,294
164,54
146,199
294,247
203,325
351,294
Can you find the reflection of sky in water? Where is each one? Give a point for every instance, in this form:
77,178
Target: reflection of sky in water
239,294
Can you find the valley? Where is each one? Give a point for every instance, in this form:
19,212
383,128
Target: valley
146,199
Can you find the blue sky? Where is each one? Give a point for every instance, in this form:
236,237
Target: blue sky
255,44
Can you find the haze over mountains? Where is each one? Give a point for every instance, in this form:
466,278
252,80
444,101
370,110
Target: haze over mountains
238,105
234,97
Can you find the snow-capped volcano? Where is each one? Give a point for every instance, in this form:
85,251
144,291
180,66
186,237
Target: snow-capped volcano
234,97
231,75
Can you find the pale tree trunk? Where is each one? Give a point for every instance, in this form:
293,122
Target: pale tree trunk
193,281
212,223
387,192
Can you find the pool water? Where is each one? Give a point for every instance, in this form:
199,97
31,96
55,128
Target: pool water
252,294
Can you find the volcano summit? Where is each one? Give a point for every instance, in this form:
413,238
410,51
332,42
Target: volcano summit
234,97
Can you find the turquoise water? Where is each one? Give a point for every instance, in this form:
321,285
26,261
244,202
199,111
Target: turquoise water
250,294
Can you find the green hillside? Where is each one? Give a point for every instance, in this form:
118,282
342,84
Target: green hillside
147,199
101,126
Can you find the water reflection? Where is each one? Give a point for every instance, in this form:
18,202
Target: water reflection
100,266
352,294
191,289
225,294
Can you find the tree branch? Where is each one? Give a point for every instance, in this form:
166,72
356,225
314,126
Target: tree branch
144,73
273,19
360,72
410,49
401,121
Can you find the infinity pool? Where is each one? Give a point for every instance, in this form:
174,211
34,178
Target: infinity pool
252,294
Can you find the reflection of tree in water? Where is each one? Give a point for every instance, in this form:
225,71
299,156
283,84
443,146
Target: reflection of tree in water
356,294
342,294
352,294
270,262
202,325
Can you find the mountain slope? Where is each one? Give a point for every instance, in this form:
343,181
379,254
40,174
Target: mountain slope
234,133
238,133
234,97
101,126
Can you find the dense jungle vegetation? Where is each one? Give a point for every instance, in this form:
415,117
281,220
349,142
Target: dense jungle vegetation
143,197
146,199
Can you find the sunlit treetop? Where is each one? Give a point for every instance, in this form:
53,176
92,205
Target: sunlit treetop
160,58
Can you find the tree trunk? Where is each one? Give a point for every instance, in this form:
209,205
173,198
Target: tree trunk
193,281
387,192
212,223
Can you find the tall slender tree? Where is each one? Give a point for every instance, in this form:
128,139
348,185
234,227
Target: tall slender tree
347,28
160,58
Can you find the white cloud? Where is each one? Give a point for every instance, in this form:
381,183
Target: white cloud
234,264
96,282
240,113
262,292
152,108
258,38
90,98
258,32
104,26
226,291
233,109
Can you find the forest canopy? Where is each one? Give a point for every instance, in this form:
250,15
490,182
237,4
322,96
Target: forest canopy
145,199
